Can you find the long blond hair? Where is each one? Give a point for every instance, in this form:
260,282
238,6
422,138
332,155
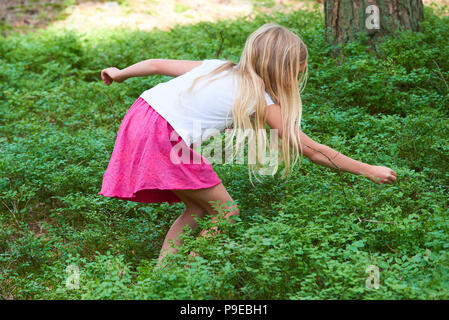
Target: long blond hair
274,60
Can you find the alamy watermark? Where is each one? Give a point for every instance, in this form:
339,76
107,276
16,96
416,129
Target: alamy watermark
73,277
373,279
373,19
215,153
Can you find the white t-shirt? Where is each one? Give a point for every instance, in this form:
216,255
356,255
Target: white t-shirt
207,106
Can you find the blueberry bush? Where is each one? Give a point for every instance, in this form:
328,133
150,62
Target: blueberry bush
312,236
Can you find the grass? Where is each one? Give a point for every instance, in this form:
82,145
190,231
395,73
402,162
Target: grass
297,239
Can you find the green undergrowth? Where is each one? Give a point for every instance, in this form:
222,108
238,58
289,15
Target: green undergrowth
310,237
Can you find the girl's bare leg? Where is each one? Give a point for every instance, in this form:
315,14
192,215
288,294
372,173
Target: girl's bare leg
187,218
198,203
203,198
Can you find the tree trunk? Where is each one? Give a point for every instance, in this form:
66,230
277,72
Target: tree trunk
345,18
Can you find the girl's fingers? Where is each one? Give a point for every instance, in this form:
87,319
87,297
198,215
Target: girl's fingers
104,76
388,179
107,79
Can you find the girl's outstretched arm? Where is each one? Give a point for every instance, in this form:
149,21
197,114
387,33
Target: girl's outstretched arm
326,156
172,68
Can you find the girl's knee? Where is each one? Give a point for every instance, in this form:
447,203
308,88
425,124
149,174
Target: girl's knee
226,209
235,212
233,209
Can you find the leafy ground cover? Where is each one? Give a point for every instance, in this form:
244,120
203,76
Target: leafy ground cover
311,237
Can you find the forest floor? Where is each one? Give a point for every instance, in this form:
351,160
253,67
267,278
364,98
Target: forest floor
26,15
320,235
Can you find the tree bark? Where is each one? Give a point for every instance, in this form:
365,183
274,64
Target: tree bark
345,18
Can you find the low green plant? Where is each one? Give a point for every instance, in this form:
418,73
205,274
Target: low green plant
310,237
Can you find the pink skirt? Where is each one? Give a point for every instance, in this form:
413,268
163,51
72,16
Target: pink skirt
141,169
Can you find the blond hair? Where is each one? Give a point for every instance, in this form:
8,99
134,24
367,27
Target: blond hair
272,60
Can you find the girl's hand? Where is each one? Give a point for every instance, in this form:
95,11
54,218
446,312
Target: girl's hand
111,74
381,175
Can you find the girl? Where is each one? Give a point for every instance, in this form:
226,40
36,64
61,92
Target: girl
261,89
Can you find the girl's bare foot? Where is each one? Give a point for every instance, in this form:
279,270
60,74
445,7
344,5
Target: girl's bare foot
194,255
159,265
